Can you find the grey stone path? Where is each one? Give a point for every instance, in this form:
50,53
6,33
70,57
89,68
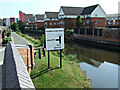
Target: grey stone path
18,40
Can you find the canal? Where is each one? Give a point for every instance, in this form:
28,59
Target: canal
100,65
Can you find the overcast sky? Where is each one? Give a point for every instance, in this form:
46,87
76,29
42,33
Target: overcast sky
10,8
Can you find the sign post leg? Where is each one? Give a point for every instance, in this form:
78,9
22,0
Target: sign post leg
60,58
39,54
48,60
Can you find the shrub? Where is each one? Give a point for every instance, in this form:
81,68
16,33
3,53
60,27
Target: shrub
42,40
6,40
8,33
14,26
71,57
69,33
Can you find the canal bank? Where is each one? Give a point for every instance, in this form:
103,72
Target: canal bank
100,65
113,46
69,76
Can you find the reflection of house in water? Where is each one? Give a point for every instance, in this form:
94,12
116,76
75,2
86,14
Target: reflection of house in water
95,56
96,63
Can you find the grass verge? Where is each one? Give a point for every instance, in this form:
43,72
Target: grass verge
70,76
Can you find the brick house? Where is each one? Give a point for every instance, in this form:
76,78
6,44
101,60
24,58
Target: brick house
90,15
51,20
93,16
30,21
22,17
39,21
113,20
12,19
68,15
27,17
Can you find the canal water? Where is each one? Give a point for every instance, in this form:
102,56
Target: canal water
100,65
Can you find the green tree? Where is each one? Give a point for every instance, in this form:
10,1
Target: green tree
4,24
14,26
78,22
22,26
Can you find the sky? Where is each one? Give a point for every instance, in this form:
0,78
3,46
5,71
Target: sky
10,8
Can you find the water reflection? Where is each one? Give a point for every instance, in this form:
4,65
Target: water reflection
101,66
92,55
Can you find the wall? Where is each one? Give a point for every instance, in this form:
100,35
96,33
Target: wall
99,12
106,35
27,54
39,25
51,26
32,25
100,22
14,73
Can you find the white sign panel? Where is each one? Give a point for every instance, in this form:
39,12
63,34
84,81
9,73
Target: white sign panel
54,38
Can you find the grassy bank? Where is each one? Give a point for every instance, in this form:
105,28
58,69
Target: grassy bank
35,42
70,76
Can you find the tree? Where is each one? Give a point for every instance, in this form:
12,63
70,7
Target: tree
4,24
14,26
21,26
78,22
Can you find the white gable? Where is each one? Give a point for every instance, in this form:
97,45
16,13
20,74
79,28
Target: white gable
98,12
61,12
45,16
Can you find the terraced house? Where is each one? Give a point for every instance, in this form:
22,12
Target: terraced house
92,15
67,16
113,20
51,20
39,21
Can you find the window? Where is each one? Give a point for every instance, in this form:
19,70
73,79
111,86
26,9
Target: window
50,18
83,22
109,23
54,23
96,22
45,23
88,22
61,23
113,22
96,15
51,23
117,23
100,32
61,18
113,18
57,23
